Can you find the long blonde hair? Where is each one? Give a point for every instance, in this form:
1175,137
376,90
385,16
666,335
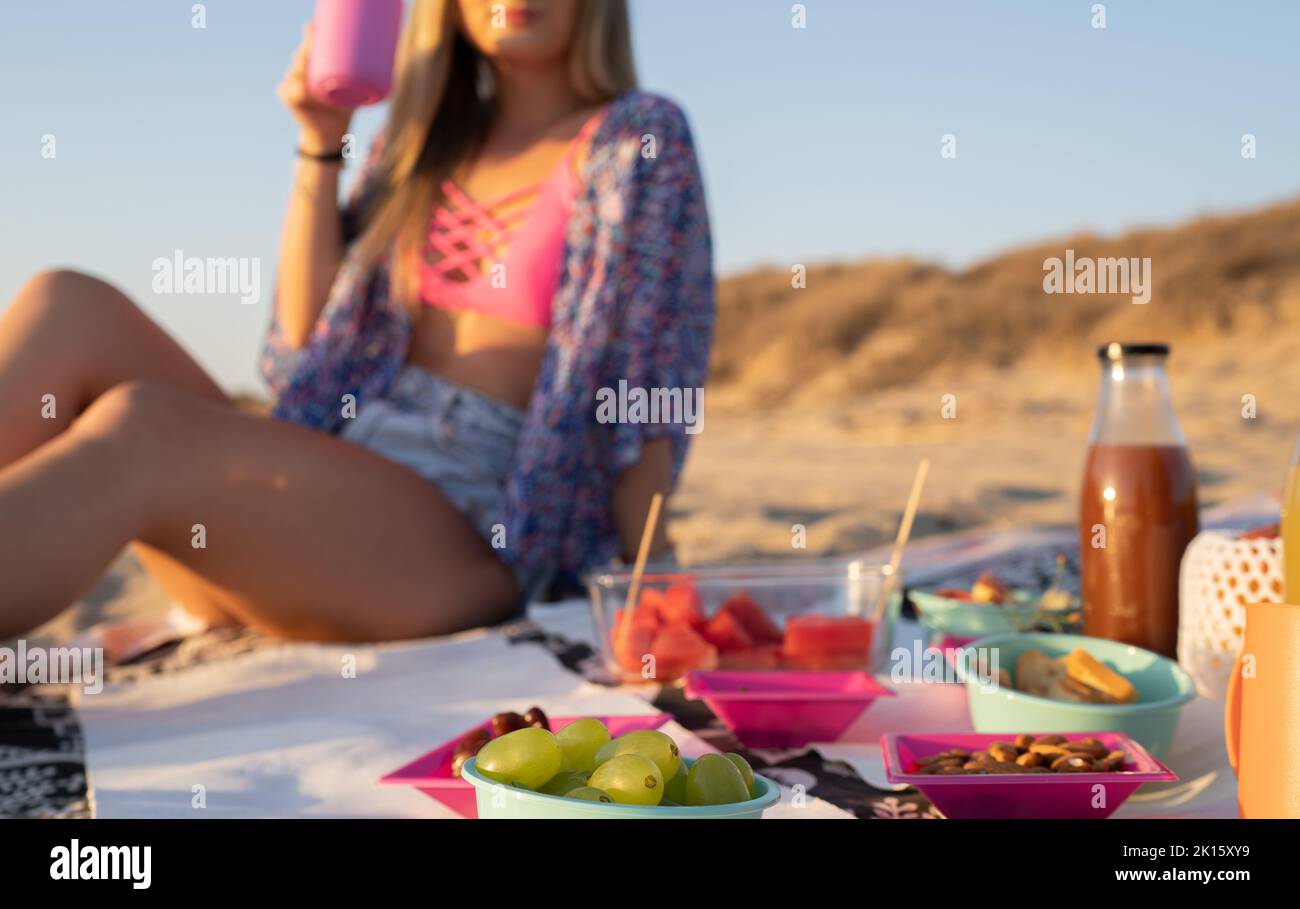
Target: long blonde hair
439,117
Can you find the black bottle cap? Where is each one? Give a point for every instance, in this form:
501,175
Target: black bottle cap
1115,349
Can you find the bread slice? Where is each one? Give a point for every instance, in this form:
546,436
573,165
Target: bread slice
1084,668
1065,688
1035,672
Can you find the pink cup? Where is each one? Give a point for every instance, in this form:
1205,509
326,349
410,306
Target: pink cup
354,43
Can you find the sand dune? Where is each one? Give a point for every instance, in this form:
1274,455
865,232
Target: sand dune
864,327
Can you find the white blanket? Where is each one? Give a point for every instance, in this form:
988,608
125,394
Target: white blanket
283,733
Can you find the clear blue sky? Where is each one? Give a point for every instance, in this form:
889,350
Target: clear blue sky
818,144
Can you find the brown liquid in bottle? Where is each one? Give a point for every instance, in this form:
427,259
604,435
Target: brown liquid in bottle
1145,498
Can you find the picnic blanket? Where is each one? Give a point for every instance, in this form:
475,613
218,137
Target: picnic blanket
233,724
42,768
293,730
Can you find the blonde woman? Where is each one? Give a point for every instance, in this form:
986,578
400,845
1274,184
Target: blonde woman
528,229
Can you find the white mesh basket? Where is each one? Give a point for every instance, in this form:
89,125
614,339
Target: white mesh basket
1220,575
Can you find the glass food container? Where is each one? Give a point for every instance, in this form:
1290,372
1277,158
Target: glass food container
814,615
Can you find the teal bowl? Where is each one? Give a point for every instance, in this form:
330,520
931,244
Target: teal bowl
497,800
966,619
1163,688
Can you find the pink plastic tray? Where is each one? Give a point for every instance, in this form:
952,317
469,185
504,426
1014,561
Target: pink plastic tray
785,709
1014,795
431,772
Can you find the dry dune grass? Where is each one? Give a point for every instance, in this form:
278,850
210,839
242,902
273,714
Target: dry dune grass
874,325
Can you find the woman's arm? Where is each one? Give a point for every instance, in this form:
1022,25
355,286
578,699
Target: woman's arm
310,248
633,491
311,245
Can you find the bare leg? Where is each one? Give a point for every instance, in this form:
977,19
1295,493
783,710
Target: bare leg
72,337
307,535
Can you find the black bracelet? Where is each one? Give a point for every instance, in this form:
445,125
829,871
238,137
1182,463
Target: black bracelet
324,156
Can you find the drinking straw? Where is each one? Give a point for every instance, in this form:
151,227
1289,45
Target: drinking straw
904,531
643,551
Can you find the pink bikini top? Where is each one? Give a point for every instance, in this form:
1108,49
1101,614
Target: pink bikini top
522,243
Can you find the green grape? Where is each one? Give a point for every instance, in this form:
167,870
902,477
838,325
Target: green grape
714,780
675,788
649,743
579,742
526,757
589,794
746,771
563,781
604,753
630,779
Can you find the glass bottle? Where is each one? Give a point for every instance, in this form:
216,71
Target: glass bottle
1137,510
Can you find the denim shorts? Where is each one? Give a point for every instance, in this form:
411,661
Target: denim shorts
460,439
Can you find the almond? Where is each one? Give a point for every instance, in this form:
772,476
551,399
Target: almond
1001,751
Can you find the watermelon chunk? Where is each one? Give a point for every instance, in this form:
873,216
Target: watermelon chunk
651,602
757,659
632,636
681,606
678,649
725,632
826,642
752,617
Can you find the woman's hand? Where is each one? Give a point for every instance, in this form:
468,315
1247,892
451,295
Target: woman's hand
634,489
322,126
